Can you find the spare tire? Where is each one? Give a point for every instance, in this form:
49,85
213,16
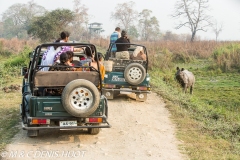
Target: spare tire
80,98
134,73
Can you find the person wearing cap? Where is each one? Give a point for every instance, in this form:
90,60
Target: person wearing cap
114,36
122,49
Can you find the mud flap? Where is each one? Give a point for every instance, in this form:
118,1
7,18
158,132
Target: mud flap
32,133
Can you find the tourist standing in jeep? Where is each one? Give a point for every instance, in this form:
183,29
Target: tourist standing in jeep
114,36
122,49
64,38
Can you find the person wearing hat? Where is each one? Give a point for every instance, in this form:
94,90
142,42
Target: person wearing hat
122,49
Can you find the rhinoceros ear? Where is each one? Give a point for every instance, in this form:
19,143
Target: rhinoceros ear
182,69
177,68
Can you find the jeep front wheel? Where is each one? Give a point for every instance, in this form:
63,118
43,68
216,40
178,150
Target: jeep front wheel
80,98
134,73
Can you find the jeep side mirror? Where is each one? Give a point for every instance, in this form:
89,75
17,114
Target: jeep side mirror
29,54
24,71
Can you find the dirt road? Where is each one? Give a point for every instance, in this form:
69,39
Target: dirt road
140,130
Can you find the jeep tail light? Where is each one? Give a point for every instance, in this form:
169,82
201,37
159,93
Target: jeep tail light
40,121
93,120
109,86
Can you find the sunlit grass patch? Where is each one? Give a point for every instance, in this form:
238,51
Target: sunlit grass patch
198,144
9,113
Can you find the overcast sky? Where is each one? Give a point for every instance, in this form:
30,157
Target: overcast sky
226,12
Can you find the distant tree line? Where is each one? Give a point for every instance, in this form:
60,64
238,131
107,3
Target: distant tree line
31,20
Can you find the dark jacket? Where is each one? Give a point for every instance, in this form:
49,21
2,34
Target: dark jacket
122,47
60,67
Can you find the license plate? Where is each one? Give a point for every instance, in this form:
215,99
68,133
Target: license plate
68,123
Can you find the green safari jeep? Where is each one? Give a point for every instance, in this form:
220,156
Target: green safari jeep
127,75
62,99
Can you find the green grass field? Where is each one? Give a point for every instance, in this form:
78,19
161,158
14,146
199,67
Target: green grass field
209,120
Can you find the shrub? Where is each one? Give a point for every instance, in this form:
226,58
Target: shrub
21,59
183,58
227,57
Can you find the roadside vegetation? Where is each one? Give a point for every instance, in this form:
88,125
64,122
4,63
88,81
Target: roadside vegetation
208,121
11,60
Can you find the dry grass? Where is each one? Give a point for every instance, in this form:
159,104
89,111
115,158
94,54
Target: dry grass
228,57
15,45
101,42
200,49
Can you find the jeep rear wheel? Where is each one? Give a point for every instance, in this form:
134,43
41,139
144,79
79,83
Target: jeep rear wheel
80,98
134,73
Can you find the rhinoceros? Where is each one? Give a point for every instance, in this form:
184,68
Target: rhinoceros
186,79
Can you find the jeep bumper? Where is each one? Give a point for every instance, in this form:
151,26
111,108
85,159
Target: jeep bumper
25,127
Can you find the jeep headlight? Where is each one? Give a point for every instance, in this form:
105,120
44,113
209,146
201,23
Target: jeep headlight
148,79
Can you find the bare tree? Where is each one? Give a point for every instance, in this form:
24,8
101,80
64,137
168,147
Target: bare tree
81,19
17,18
194,15
148,26
217,29
125,14
21,14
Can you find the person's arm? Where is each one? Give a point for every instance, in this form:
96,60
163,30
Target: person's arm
102,70
119,34
127,41
77,49
111,40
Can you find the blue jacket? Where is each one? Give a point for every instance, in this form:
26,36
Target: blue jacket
113,38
